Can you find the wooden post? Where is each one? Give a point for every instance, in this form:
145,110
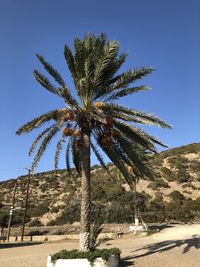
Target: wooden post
26,205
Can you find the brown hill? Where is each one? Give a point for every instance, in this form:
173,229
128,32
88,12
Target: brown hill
55,196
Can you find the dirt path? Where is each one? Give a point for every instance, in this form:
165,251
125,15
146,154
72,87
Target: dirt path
175,246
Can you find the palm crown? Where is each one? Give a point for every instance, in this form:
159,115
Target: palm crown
94,67
92,119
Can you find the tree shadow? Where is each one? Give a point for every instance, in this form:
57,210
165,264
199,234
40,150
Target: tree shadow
167,245
161,227
20,244
125,263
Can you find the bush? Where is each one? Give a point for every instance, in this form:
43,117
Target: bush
182,176
70,214
117,213
159,182
35,222
4,215
176,196
38,232
90,255
40,209
168,174
56,209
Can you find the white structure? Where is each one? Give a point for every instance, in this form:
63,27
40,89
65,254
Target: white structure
112,262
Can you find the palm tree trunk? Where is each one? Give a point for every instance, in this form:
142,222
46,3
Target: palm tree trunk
137,214
136,220
85,194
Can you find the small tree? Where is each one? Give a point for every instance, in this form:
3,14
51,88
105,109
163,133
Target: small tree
4,215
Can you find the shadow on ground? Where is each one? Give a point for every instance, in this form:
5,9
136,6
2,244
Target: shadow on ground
125,263
161,227
163,246
20,244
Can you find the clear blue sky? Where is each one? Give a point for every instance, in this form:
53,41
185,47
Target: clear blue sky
158,33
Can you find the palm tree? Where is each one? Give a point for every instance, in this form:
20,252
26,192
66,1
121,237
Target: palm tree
91,120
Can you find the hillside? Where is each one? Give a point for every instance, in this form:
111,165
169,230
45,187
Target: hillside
55,195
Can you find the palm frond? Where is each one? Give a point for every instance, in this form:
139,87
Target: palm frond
125,92
68,98
79,58
89,63
116,66
111,153
131,76
67,156
136,135
53,72
37,122
142,117
58,149
110,53
99,158
70,61
38,138
137,156
43,146
45,82
108,76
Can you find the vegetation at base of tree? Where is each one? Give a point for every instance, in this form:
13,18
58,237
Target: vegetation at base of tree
90,255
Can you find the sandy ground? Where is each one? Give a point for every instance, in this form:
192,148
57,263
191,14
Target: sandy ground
175,246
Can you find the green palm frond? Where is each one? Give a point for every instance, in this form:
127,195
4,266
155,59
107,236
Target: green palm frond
110,52
58,149
43,146
37,122
138,116
99,158
62,91
108,77
70,61
137,156
89,64
45,82
38,138
53,72
68,98
114,157
131,76
136,135
67,156
79,59
125,92
118,62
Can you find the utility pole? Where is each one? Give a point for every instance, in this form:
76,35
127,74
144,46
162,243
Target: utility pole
11,212
26,203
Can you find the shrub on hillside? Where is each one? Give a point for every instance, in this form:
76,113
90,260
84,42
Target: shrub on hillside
182,176
70,214
40,209
35,222
167,174
176,196
158,183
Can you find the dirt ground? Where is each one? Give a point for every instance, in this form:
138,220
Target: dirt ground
174,246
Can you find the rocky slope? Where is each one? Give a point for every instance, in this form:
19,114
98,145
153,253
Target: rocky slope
55,196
